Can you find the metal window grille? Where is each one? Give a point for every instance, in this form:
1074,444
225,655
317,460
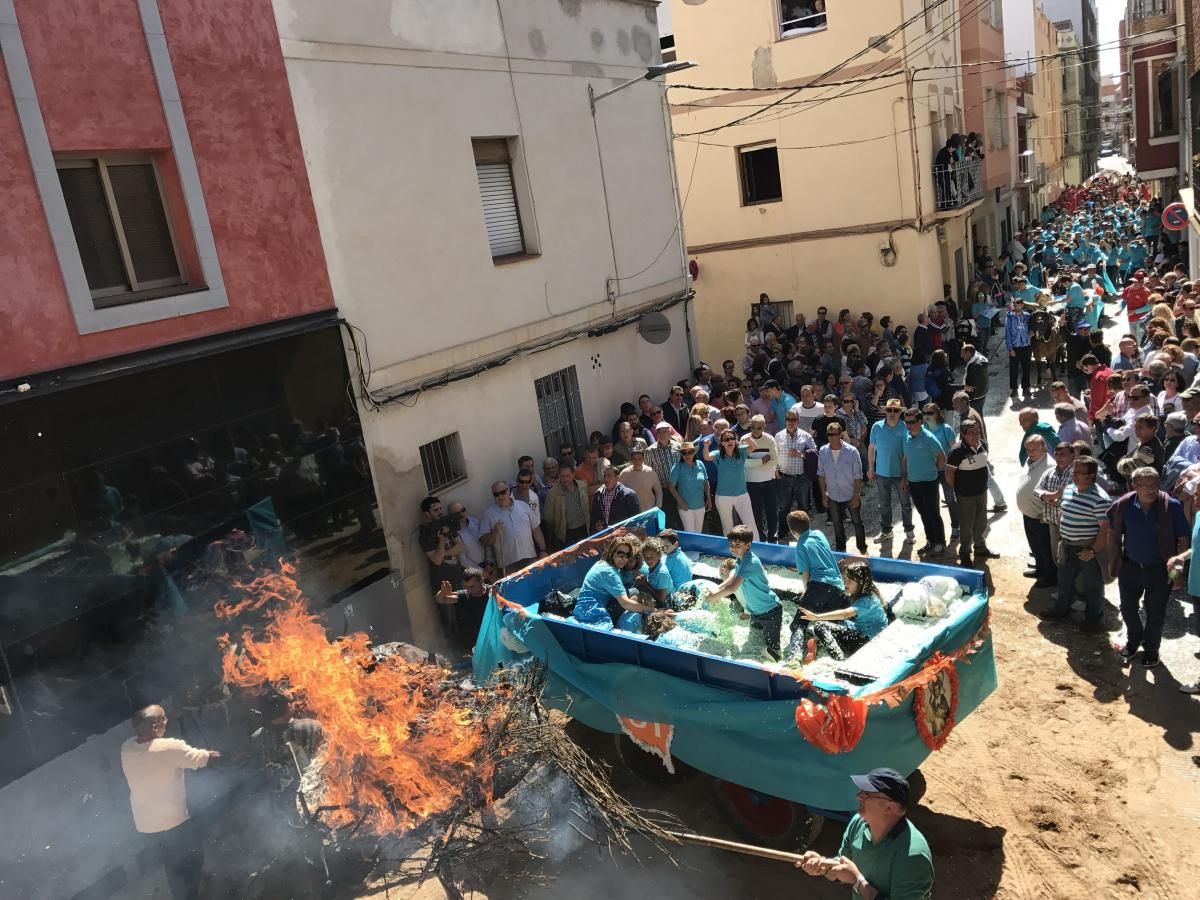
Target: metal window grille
560,410
442,462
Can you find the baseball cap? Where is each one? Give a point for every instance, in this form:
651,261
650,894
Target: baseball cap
888,782
1083,326
1191,393
663,426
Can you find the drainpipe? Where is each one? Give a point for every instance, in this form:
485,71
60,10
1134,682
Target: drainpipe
909,77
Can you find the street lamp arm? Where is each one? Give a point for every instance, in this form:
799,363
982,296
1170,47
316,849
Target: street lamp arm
652,72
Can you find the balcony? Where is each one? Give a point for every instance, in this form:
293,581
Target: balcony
1146,16
958,184
799,17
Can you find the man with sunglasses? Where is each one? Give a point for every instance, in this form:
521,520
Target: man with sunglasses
675,410
511,531
613,503
839,472
885,469
921,463
882,853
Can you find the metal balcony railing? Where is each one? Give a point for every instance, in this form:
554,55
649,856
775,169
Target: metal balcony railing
1146,16
958,184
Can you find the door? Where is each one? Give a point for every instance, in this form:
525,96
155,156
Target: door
561,411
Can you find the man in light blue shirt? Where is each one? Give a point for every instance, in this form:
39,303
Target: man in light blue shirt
781,401
923,460
885,468
1019,346
839,473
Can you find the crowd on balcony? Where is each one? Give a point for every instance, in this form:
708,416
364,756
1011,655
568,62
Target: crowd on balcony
957,177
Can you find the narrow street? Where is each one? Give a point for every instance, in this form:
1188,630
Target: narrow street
1075,779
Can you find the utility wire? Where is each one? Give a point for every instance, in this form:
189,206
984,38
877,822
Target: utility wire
816,81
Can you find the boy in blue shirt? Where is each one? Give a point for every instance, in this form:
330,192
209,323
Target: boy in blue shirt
749,580
823,588
677,562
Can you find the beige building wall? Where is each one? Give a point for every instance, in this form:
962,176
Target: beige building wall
389,95
1048,127
856,226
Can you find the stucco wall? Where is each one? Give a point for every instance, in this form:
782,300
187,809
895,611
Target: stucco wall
388,98
835,273
96,90
496,417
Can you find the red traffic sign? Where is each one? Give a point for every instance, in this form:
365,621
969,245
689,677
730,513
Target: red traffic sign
1175,217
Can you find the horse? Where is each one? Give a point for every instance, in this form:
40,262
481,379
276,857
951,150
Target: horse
1048,342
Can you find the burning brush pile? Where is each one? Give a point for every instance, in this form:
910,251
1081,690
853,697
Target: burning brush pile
413,756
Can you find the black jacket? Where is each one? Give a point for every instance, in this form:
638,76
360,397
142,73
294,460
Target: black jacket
679,420
625,504
977,376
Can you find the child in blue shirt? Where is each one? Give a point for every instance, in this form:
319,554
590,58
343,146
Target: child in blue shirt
748,579
840,632
678,564
654,580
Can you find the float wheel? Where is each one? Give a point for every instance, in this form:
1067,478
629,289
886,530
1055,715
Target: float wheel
765,820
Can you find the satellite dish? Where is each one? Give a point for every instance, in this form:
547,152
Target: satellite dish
655,328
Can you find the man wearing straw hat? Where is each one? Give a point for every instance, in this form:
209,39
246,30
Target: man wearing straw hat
882,854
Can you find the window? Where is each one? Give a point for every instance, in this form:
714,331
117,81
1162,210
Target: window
667,45
785,308
760,175
501,212
442,463
997,16
121,226
1165,94
998,125
560,410
801,17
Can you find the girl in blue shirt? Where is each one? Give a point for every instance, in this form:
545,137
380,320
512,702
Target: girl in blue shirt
653,579
840,632
604,598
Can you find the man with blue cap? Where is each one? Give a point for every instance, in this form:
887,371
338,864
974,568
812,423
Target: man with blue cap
882,854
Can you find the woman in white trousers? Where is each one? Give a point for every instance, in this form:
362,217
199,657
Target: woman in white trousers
732,495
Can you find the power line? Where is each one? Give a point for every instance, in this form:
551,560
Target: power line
819,78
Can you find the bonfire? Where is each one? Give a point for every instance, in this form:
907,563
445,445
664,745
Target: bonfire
413,754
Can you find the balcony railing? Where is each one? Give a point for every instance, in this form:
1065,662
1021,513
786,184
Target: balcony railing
958,184
1146,16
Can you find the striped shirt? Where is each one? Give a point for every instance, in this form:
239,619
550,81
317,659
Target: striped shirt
1053,479
1082,513
801,440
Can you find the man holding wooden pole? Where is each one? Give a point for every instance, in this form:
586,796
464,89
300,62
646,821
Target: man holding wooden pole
882,853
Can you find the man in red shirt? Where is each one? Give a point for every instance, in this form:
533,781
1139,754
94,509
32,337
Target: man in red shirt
1137,299
1097,383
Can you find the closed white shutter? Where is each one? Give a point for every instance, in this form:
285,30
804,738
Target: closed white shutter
500,208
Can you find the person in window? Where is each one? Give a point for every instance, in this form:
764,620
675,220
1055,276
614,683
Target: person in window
603,597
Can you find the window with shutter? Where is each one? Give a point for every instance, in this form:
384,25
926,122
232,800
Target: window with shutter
501,212
121,227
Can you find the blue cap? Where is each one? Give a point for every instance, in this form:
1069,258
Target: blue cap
888,782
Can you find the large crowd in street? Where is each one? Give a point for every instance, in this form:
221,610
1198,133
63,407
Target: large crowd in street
825,407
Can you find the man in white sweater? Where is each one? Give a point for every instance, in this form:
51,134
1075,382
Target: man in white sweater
760,480
154,767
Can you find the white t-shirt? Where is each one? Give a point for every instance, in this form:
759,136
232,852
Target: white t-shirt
535,506
517,543
808,414
154,770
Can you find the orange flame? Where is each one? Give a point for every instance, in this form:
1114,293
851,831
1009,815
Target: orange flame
398,748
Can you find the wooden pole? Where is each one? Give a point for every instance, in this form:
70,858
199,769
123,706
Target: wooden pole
734,847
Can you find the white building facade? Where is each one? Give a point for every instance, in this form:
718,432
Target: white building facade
511,268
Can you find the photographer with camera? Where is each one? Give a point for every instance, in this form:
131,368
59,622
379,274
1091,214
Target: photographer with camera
439,539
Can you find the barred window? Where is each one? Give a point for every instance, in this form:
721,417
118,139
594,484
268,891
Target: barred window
442,463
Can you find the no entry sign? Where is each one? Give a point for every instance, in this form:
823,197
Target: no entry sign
1175,217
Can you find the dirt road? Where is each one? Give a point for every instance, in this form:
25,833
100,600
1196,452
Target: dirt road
1077,778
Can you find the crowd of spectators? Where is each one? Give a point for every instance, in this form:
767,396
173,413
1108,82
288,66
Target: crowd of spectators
821,408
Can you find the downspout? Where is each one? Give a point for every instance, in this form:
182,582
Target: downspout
909,77
669,130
